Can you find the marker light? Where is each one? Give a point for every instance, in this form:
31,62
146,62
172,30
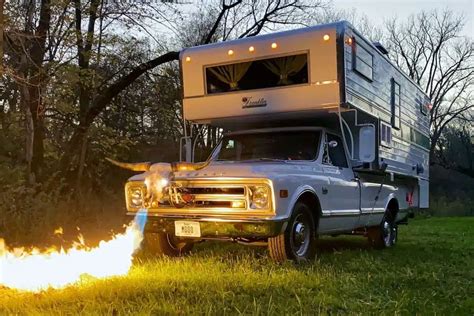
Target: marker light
251,49
274,45
349,41
230,52
326,37
188,59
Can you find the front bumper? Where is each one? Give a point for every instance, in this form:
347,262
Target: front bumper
212,227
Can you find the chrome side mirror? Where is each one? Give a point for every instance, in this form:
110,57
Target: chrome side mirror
367,144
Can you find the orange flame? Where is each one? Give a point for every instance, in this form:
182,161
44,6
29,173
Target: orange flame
36,270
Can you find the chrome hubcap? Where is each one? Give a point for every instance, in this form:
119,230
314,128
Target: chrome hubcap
387,233
300,235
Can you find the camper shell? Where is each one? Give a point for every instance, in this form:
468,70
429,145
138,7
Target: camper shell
343,74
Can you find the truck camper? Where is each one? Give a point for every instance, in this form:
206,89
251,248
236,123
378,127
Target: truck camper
323,134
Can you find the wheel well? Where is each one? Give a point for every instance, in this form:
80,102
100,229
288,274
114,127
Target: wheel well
392,208
310,199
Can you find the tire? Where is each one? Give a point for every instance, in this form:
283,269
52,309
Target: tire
385,235
162,244
298,242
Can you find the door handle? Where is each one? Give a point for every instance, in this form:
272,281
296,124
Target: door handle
325,190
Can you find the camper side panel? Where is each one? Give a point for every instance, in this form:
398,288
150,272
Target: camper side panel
377,87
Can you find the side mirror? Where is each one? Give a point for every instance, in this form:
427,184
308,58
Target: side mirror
367,144
332,144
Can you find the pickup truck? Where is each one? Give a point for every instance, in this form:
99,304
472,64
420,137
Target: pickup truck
281,187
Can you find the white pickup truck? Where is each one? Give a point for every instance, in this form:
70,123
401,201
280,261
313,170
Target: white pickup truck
284,186
323,135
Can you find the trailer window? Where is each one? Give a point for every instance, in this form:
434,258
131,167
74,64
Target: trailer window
395,104
258,74
363,61
385,134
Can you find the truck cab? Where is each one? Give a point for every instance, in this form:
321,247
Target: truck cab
322,134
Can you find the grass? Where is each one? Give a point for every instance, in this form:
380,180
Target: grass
430,271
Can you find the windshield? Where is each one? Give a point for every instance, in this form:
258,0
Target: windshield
288,145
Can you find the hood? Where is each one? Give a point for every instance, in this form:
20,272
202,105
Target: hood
236,169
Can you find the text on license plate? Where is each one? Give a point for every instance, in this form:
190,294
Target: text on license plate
187,229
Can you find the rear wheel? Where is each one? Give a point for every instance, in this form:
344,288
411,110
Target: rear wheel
298,243
385,235
159,244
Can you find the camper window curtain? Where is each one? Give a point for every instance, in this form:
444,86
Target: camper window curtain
231,74
286,66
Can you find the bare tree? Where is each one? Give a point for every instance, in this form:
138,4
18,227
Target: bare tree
249,18
430,49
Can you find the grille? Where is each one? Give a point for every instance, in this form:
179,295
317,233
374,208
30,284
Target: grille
202,196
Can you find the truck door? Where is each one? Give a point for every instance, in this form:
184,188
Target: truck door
343,189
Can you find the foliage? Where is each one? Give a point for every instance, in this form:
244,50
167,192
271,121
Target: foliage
428,272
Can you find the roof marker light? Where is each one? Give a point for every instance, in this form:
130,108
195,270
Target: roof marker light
251,49
188,59
274,45
230,52
326,37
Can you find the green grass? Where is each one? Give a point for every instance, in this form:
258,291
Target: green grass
430,271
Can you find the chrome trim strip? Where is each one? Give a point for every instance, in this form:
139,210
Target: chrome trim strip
341,213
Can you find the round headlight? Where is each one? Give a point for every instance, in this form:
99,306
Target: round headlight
259,197
135,197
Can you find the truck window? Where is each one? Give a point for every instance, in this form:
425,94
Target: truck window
257,74
287,145
336,155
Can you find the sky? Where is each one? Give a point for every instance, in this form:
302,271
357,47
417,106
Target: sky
379,10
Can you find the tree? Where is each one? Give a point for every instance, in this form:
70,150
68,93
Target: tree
236,18
430,49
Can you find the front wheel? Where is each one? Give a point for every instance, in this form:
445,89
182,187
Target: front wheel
298,242
159,244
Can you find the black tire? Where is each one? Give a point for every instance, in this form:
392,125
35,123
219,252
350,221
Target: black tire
162,244
298,242
385,235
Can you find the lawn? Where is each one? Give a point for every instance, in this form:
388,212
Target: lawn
430,271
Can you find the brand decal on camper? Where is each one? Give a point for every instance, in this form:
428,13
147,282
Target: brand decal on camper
247,102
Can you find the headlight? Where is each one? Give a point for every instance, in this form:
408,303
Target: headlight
259,196
135,197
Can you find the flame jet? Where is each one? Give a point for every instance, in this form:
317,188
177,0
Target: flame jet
36,270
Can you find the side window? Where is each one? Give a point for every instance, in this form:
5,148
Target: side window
395,103
363,61
385,134
334,153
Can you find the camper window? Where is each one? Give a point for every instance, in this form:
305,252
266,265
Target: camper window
363,61
395,104
385,134
258,74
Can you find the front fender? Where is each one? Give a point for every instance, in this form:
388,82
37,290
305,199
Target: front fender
296,195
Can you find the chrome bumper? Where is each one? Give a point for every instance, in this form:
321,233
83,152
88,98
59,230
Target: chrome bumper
212,227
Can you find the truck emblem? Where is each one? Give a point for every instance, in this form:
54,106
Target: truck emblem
247,103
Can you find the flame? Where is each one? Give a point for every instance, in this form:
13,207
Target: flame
37,270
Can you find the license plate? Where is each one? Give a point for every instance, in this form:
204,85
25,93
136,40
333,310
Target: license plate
187,229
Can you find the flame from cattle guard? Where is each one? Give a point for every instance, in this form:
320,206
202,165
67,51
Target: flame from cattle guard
36,270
